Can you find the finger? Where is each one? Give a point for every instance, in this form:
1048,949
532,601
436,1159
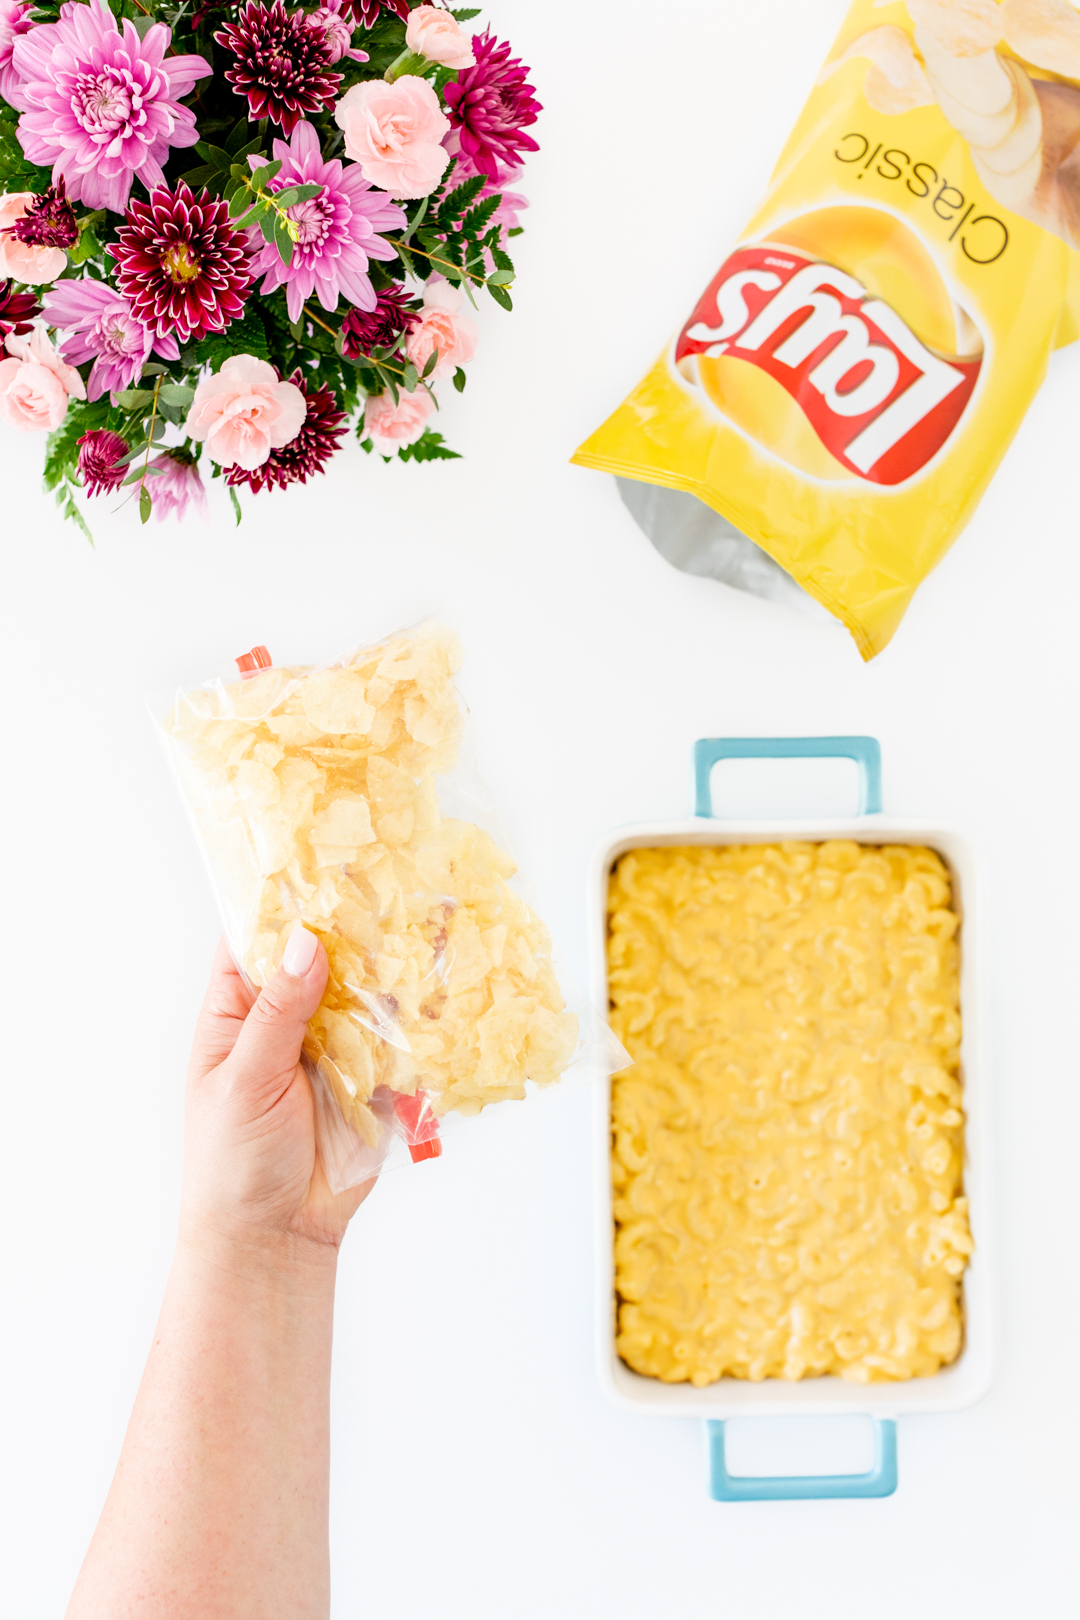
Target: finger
225,1006
267,1050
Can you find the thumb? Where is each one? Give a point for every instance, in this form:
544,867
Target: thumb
268,1047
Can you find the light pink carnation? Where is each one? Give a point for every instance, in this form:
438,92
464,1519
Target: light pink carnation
33,265
445,326
435,34
101,106
391,427
244,412
35,384
393,131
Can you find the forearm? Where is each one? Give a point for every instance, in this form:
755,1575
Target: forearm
219,1504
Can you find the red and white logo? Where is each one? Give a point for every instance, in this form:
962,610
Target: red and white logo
880,401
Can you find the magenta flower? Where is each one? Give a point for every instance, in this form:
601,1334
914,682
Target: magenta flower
100,468
49,221
100,326
183,268
102,107
338,229
177,486
367,12
282,63
17,310
365,329
15,19
490,104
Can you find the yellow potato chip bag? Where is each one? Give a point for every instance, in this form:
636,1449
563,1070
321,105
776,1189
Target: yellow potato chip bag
852,375
315,797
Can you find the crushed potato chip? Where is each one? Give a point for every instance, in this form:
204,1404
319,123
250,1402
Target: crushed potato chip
314,795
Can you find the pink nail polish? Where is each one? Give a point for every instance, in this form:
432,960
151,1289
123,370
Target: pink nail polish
299,952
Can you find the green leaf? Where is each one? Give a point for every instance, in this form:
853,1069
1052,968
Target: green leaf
410,379
282,241
235,502
145,504
477,217
453,206
152,369
132,398
221,159
176,393
432,362
235,143
267,223
500,278
429,447
501,296
254,216
87,247
197,178
287,196
306,192
260,177
465,16
239,203
460,380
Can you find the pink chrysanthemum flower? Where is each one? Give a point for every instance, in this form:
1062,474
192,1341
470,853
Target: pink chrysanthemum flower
98,325
306,453
338,229
282,63
177,486
15,19
180,264
490,104
102,107
100,454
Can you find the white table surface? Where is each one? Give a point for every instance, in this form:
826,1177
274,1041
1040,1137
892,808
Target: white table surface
478,1473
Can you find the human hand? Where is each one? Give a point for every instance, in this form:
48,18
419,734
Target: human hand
251,1171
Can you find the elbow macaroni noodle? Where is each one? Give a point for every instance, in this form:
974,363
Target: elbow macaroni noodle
787,1147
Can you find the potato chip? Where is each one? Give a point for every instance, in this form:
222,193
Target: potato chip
314,794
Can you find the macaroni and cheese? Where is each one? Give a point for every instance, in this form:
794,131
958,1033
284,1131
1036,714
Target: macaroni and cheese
787,1147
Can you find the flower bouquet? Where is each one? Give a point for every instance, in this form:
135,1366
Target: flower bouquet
233,229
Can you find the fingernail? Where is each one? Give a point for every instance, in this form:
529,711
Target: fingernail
299,952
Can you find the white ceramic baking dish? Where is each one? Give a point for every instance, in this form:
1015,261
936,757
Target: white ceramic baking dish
967,1379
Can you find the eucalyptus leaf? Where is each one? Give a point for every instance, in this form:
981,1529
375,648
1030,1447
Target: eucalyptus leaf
287,196
260,177
235,502
266,223
283,241
432,362
176,393
410,378
132,398
145,504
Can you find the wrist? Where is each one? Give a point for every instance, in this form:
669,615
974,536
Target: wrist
260,1257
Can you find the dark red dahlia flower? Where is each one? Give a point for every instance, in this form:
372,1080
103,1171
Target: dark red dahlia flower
282,65
365,329
367,12
100,453
49,221
17,310
295,462
490,103
180,264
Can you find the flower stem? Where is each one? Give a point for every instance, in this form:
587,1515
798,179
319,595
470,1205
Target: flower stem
317,321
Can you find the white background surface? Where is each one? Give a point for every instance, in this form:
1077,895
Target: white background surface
477,1472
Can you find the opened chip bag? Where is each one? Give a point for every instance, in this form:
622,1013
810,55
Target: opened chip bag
852,375
321,795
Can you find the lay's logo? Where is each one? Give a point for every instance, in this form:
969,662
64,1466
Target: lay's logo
880,402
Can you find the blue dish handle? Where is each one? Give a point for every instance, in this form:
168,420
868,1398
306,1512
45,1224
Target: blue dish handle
865,751
880,1481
